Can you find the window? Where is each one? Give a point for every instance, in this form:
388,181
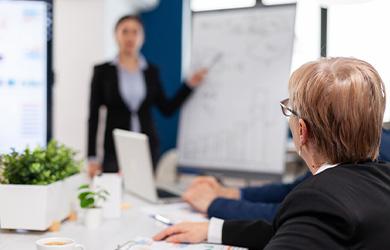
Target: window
360,30
199,5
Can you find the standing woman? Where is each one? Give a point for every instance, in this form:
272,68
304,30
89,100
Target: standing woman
128,86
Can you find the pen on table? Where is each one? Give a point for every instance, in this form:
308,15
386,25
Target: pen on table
162,219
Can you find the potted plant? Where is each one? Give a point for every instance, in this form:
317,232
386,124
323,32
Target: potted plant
90,200
38,186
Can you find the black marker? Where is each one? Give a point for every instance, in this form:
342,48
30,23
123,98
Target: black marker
214,61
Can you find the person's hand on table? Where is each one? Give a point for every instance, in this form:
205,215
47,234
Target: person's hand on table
189,232
231,193
94,168
200,196
208,180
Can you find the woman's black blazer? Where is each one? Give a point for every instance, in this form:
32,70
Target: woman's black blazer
105,91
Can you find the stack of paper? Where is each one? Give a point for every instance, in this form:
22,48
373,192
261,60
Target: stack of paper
176,212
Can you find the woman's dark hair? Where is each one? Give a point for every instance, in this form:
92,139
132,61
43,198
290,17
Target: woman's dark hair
129,17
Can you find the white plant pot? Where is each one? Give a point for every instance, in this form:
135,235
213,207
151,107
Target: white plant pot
93,217
36,207
69,192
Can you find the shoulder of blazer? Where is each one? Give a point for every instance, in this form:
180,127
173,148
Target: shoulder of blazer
152,68
107,72
151,73
104,66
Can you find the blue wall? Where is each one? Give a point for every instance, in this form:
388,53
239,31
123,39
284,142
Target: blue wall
163,48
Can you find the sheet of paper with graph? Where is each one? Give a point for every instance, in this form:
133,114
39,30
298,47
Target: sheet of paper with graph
141,243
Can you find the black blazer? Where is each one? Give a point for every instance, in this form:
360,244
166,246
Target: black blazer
345,207
105,91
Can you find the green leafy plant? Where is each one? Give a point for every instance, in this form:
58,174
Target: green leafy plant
90,197
39,166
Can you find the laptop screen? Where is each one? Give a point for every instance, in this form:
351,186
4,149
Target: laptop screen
135,163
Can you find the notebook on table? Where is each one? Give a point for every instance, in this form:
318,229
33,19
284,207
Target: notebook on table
135,164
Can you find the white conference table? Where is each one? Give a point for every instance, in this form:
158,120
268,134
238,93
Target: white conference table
112,232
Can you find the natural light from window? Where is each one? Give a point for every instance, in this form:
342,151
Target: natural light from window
361,31
201,5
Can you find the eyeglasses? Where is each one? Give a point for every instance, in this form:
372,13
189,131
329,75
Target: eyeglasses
286,110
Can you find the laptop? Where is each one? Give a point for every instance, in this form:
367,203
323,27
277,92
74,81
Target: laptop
135,164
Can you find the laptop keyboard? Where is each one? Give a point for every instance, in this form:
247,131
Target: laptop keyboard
165,194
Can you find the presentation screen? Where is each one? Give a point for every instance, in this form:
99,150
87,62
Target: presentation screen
25,69
233,122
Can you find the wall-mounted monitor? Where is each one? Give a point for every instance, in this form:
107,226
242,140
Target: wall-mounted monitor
25,74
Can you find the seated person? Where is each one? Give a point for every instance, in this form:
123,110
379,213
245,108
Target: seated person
345,204
384,148
208,196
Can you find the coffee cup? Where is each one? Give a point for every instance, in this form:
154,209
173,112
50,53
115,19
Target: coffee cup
60,243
